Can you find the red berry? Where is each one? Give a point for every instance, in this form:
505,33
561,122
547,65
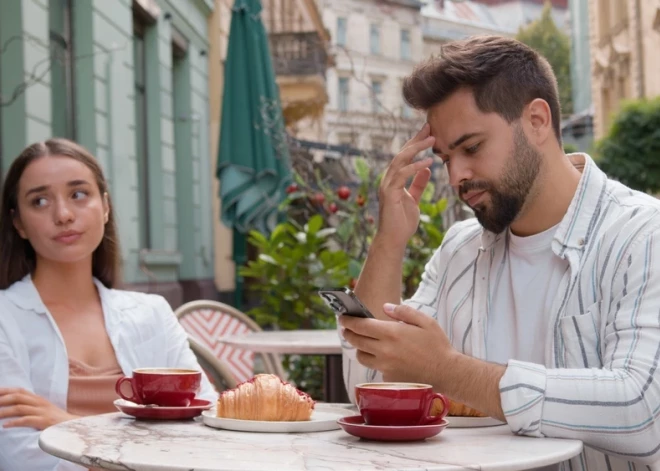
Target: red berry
360,200
344,192
333,207
370,219
291,188
319,198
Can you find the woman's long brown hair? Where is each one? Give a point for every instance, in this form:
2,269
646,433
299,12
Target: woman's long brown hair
17,257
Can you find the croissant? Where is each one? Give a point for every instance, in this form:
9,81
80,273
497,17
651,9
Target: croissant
265,397
458,409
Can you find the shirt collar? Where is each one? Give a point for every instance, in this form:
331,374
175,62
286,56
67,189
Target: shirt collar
575,228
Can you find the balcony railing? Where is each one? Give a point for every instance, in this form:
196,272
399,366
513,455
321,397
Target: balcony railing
298,54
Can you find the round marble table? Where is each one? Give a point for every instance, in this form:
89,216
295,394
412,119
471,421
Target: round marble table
116,442
300,342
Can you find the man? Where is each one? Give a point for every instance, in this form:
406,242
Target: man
545,310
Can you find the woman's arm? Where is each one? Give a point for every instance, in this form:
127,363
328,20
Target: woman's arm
19,447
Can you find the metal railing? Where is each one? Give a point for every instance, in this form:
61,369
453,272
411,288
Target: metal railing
298,54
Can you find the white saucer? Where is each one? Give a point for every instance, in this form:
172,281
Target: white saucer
469,422
324,418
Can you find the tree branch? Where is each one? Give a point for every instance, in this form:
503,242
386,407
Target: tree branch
37,77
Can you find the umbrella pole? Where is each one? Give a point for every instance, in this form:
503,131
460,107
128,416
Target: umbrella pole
240,259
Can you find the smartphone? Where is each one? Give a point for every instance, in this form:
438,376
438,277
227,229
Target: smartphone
344,302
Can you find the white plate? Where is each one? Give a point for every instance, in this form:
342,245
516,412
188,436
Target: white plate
324,418
469,422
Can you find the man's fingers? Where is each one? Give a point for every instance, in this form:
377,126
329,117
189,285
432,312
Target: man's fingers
361,342
407,155
421,134
406,314
372,328
400,178
419,183
367,359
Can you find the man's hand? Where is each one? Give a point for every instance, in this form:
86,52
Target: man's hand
412,350
29,409
415,349
398,215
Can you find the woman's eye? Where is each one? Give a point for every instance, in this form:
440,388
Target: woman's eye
79,194
473,149
39,202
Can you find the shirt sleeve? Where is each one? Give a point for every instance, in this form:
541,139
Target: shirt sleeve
19,447
179,353
614,408
425,300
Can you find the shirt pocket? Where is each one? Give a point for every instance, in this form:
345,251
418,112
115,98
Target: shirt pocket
581,339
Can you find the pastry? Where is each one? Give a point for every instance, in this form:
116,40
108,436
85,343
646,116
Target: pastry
265,397
458,409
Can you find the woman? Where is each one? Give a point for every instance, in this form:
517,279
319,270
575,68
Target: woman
66,335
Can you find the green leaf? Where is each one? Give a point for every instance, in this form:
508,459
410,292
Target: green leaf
345,229
354,268
362,169
314,224
428,193
298,179
257,239
441,205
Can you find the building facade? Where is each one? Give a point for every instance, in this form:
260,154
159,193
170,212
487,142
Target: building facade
376,44
625,40
578,128
129,81
449,21
513,14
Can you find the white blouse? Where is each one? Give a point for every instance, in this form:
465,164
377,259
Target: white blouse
143,330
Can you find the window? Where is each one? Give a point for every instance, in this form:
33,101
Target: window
376,96
61,69
141,138
342,102
341,31
374,39
405,45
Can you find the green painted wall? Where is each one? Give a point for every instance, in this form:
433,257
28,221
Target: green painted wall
177,120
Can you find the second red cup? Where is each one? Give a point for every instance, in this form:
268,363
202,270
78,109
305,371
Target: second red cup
399,404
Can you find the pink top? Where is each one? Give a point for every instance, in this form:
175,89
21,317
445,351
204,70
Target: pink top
92,388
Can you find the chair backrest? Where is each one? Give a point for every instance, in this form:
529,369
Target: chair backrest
216,370
206,321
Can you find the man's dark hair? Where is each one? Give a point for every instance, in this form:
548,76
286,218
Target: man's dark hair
505,75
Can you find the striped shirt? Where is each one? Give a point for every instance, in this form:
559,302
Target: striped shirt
599,382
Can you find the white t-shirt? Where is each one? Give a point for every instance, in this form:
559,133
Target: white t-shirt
519,314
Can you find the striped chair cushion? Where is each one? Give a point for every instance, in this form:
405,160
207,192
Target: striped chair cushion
207,326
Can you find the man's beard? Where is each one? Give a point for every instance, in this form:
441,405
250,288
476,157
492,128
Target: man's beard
509,195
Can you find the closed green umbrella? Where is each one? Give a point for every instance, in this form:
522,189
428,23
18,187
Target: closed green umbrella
253,157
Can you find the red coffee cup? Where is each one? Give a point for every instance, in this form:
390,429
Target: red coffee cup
166,387
399,404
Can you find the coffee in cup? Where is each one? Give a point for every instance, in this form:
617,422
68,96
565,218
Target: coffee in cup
166,387
399,404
